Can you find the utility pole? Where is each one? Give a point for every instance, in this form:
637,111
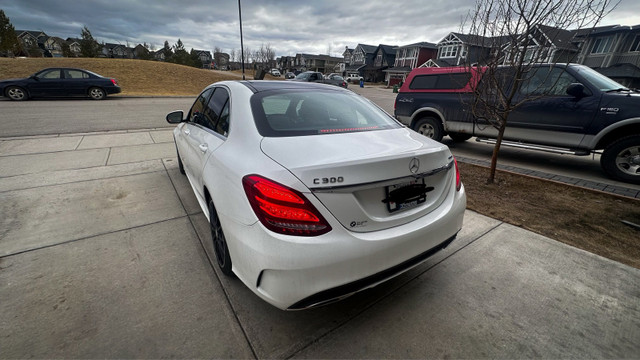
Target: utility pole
241,43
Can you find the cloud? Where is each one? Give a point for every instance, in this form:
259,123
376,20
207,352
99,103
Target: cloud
288,26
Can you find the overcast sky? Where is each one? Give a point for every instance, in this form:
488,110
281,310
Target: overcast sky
289,26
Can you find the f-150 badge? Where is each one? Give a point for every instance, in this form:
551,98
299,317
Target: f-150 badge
610,111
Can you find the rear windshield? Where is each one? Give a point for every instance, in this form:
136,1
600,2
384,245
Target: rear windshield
314,112
440,81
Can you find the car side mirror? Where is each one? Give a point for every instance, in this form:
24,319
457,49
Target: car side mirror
576,90
34,77
175,117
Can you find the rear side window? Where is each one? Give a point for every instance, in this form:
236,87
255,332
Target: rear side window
313,112
217,110
440,81
75,74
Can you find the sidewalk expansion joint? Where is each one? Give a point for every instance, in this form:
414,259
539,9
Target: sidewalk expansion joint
90,237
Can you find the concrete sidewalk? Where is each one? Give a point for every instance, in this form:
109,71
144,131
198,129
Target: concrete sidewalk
105,253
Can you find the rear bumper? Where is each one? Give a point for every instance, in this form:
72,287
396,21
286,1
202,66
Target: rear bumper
113,90
295,273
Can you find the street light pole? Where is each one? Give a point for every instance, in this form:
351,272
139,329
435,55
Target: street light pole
241,43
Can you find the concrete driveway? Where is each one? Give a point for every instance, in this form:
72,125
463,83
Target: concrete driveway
104,253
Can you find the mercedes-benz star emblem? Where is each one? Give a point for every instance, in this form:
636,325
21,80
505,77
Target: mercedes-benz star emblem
414,165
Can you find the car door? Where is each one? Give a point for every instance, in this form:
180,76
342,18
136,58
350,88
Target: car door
207,133
75,82
551,116
47,83
194,117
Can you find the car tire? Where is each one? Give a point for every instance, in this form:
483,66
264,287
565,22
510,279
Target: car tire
429,127
459,137
219,241
16,93
97,93
621,159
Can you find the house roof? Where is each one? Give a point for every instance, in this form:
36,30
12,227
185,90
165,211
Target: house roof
602,30
368,49
561,38
34,33
479,40
422,44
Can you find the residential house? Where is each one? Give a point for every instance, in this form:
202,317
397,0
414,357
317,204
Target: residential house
545,44
221,60
383,57
116,51
205,57
53,46
30,42
141,52
614,51
158,55
409,57
347,54
74,46
362,55
286,64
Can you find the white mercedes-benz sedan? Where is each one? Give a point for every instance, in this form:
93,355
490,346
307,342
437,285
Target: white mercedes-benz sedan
313,192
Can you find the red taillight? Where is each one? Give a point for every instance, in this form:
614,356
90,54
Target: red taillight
282,209
114,82
458,181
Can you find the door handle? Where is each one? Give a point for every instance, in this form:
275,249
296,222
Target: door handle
187,132
203,147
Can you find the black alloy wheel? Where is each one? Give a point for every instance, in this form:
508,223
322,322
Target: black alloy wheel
219,241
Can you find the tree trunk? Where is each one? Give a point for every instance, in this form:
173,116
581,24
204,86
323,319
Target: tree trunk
496,150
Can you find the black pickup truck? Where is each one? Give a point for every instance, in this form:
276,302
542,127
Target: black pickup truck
581,112
312,76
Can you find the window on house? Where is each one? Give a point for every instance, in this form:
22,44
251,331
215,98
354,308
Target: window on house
601,45
635,46
449,51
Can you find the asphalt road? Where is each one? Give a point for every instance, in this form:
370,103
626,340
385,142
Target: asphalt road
47,117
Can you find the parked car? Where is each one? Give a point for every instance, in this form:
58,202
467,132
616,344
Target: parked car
289,75
275,72
329,76
354,78
60,82
312,192
579,112
313,76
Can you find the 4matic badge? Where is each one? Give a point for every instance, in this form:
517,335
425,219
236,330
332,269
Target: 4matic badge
354,224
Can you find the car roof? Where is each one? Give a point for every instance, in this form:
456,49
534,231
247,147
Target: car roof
266,85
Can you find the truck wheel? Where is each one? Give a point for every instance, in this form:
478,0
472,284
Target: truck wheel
459,137
621,159
429,127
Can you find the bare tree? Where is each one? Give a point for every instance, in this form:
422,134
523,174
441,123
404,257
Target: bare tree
507,38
